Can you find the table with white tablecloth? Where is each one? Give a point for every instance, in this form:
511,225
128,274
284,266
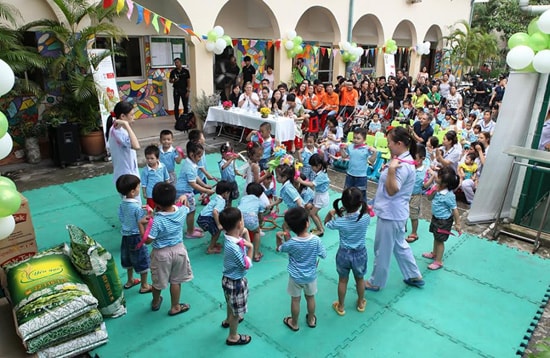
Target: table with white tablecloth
281,127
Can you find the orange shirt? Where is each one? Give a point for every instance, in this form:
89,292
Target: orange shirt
348,97
312,103
331,101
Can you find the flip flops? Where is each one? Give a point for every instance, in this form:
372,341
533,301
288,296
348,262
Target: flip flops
135,282
411,238
436,265
197,234
362,305
258,258
148,290
243,339
184,307
311,325
370,287
428,255
157,306
287,323
337,310
416,282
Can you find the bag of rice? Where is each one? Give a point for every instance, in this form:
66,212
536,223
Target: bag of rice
98,269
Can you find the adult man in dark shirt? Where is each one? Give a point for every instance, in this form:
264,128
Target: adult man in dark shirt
482,92
384,91
401,90
180,79
249,72
422,129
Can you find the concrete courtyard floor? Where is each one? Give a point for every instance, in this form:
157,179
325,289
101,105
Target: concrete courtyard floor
28,177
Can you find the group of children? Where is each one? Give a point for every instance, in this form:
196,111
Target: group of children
171,203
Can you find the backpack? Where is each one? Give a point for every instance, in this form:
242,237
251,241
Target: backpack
185,122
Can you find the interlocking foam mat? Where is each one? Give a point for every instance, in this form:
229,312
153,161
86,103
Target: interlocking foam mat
485,301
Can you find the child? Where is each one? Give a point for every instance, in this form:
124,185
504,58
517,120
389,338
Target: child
332,136
188,181
305,153
352,224
359,154
251,206
236,262
443,211
416,197
303,251
476,132
153,173
197,136
170,263
288,193
228,170
268,143
476,111
445,122
269,185
441,115
431,147
320,183
375,125
306,193
169,156
130,213
208,219
253,172
468,169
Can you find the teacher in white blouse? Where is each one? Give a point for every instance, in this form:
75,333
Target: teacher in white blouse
249,100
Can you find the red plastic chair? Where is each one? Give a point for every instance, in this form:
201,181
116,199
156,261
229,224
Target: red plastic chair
313,125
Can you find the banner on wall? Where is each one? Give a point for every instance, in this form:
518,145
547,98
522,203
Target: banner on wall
389,65
105,80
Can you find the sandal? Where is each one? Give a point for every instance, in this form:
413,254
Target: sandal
135,282
258,258
184,307
411,238
436,265
215,250
362,305
429,255
157,306
243,339
286,321
313,324
337,310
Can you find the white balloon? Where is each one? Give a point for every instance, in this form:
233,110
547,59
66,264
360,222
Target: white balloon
346,46
290,35
544,22
427,44
217,51
6,144
520,57
541,61
218,30
289,45
7,225
210,46
7,76
220,44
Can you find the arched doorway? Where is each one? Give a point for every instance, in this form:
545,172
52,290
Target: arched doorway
319,29
405,37
432,61
368,34
253,26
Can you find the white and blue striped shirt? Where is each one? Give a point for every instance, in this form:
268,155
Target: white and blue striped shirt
167,228
352,232
227,173
188,174
233,258
302,257
443,204
289,194
216,203
321,182
129,214
251,204
151,176
168,158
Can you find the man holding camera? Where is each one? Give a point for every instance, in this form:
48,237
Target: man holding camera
180,79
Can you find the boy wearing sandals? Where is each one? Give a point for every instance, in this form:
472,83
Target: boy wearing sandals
208,219
169,260
303,251
236,261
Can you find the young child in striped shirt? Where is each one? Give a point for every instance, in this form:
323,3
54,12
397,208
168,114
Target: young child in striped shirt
236,262
153,173
303,251
352,223
208,219
169,156
251,207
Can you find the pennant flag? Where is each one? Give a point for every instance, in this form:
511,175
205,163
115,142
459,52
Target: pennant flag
139,9
376,51
167,26
155,22
245,42
234,42
162,21
190,32
130,4
107,3
253,43
269,45
315,50
323,51
329,50
147,16
278,43
119,6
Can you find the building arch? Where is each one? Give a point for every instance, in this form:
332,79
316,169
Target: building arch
405,36
248,19
368,30
435,36
319,24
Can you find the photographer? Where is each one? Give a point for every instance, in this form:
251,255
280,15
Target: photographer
180,79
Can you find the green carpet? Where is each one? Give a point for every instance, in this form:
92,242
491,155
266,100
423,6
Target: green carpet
484,302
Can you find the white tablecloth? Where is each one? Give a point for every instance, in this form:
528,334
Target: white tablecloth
281,127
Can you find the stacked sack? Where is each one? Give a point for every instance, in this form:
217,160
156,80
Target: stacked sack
56,314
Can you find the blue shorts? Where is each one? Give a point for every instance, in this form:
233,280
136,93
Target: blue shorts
351,259
130,257
207,223
263,163
358,182
251,221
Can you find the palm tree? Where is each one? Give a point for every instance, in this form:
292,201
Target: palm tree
76,31
471,47
20,58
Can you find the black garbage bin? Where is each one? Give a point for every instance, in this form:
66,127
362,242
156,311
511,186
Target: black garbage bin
64,144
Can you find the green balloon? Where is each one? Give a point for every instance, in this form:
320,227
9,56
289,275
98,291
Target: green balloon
228,40
529,68
297,40
10,201
3,124
7,183
538,41
518,39
346,57
291,53
212,36
298,49
533,26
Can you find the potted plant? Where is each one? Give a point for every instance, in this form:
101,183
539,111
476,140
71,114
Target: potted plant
31,130
202,104
81,21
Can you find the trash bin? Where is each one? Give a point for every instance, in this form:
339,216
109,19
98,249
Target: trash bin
64,144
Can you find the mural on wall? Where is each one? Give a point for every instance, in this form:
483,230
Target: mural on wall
18,110
258,52
311,57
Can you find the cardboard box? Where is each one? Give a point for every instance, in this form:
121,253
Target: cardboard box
21,244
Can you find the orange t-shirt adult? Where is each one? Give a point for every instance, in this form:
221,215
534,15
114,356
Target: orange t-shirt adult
348,97
331,101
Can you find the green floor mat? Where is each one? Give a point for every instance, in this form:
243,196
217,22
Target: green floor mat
481,303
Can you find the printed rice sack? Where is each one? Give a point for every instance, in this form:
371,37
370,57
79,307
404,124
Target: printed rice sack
98,269
46,292
78,345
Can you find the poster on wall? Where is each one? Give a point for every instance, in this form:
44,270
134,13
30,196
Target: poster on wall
389,65
105,80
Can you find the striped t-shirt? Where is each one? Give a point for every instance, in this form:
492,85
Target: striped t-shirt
129,214
302,257
353,232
